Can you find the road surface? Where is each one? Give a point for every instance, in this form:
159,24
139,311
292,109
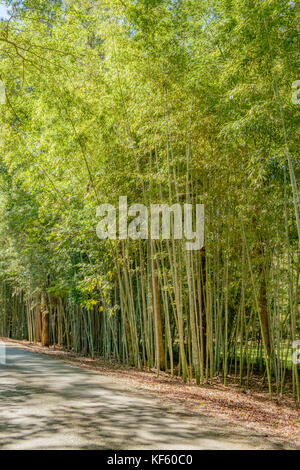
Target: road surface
48,404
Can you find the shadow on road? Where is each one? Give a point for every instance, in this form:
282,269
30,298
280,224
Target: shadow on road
46,403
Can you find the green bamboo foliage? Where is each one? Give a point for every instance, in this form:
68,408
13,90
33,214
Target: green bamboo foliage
164,102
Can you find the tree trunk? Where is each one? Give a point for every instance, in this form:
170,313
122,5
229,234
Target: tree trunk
263,300
45,322
157,317
203,303
38,323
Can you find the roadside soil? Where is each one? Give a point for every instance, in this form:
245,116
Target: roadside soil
278,418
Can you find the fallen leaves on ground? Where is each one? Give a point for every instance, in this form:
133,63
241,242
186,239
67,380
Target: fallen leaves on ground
278,419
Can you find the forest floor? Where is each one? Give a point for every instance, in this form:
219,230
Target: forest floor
277,419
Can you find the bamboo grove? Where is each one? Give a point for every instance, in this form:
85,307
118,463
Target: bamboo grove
164,102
